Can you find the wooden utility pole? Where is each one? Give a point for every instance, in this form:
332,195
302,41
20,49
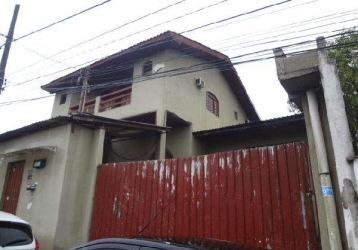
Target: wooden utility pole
81,106
7,46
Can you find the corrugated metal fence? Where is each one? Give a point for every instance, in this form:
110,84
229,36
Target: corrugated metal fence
258,197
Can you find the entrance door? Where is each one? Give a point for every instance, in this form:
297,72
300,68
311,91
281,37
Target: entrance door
12,187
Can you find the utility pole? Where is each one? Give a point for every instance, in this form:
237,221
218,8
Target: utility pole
7,47
81,106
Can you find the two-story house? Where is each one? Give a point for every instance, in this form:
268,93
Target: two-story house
168,80
166,97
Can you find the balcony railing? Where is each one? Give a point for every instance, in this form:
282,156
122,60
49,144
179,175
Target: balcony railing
107,102
89,107
115,99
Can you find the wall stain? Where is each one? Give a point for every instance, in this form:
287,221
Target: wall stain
350,201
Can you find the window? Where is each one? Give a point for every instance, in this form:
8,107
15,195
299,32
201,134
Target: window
236,116
212,103
63,99
147,68
14,234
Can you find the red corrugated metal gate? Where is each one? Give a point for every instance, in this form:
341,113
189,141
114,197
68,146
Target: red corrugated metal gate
258,197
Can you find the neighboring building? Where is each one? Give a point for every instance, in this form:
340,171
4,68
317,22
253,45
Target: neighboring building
166,97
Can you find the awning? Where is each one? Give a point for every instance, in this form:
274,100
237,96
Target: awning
114,128
29,150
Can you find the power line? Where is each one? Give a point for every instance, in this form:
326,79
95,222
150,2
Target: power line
293,25
146,29
268,13
223,48
174,19
59,21
198,54
206,68
48,58
236,16
201,66
76,66
104,33
116,70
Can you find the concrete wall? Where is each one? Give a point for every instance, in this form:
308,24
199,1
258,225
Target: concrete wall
85,153
59,210
177,94
41,207
183,98
179,141
140,148
232,141
71,100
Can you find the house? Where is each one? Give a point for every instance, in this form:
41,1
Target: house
166,97
168,80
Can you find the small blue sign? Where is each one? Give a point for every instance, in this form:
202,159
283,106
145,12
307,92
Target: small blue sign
327,191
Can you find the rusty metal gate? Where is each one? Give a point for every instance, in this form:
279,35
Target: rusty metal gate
258,197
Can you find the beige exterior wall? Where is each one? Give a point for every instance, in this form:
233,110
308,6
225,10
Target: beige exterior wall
63,109
177,94
232,141
182,97
136,149
41,207
85,153
59,209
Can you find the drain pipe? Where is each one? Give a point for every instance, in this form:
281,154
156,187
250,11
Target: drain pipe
324,173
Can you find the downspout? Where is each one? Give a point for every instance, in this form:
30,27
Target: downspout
324,173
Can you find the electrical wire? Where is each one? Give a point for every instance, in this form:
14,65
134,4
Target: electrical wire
197,70
236,16
223,48
271,36
174,19
85,63
117,70
57,22
178,71
104,33
268,13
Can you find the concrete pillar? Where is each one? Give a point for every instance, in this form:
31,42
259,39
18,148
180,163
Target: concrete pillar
324,172
320,213
85,151
162,138
96,105
341,142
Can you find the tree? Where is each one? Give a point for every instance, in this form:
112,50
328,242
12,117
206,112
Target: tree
293,109
345,52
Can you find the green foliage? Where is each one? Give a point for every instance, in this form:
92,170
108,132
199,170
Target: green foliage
293,109
346,56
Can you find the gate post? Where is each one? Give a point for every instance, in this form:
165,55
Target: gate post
315,74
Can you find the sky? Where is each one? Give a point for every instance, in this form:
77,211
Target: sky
32,61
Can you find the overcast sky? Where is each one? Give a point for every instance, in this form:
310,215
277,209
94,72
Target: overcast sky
273,27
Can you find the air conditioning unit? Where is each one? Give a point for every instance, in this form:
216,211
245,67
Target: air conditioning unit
199,82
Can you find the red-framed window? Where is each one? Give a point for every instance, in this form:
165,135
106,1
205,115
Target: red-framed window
212,103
